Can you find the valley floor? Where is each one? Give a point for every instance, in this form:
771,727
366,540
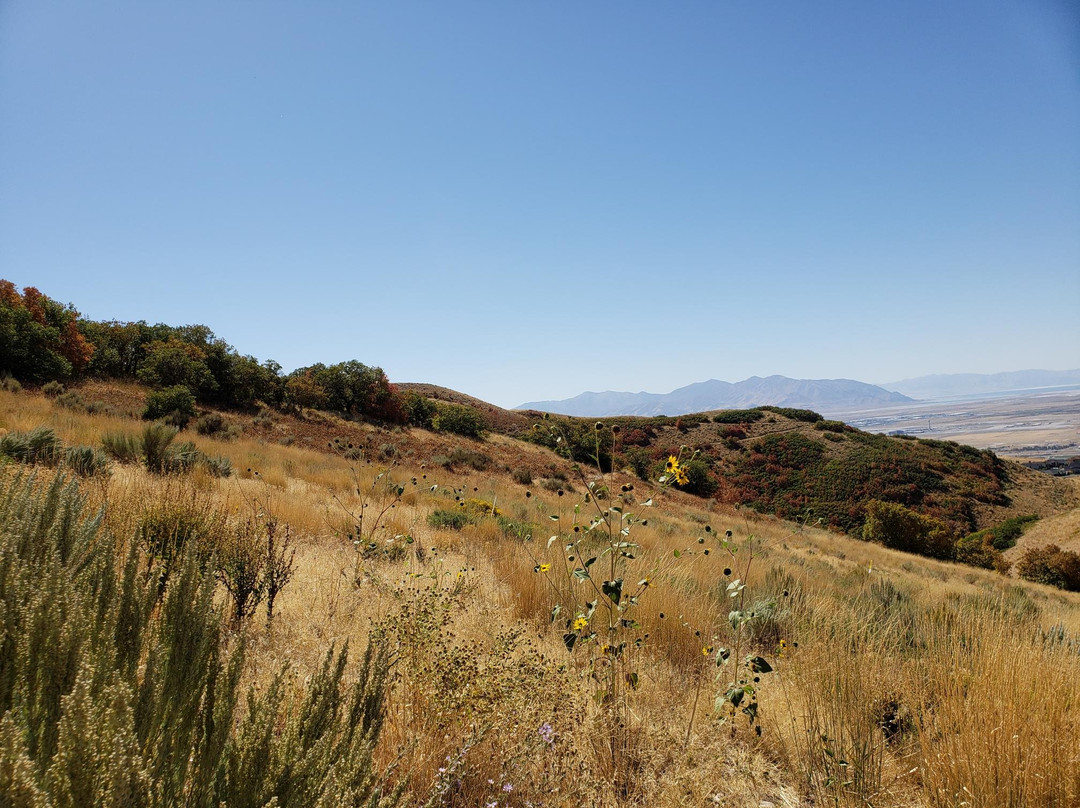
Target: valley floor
1033,426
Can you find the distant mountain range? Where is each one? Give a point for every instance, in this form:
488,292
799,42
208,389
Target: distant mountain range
962,385
823,395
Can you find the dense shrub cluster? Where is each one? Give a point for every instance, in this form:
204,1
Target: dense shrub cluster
700,480
39,445
1051,565
1004,535
419,410
175,404
352,388
213,424
459,420
980,554
738,416
809,416
789,474
900,528
832,426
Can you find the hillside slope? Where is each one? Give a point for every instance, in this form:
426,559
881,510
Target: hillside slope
458,576
782,461
797,465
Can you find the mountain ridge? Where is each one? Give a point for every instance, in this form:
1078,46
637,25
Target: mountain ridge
949,385
825,395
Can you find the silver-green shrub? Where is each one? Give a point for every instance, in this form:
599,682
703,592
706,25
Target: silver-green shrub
116,692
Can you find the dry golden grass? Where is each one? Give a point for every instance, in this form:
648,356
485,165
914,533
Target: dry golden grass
1062,530
932,682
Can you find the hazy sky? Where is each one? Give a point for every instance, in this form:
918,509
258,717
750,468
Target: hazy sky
526,200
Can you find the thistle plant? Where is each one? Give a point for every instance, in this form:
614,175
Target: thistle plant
366,520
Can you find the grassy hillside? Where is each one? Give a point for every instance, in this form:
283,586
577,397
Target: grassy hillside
776,663
797,465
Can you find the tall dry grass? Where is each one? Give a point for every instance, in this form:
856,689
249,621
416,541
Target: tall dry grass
901,681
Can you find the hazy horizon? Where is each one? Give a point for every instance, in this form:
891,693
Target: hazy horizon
527,201
884,385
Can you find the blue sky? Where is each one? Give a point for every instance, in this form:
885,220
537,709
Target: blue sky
526,200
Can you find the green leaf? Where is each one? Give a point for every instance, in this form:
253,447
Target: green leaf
759,665
735,696
632,680
552,540
590,562
568,640
555,611
613,589
677,554
722,656
581,574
